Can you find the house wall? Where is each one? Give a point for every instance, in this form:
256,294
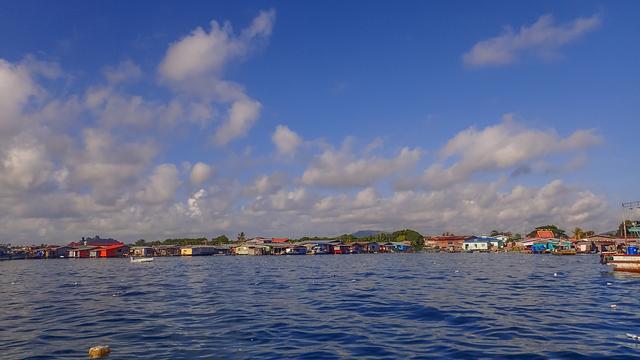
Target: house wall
476,246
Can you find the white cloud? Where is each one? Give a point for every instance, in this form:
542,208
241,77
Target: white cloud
267,184
109,167
542,38
342,169
286,141
240,119
203,53
125,71
26,166
114,109
70,164
200,173
161,185
16,87
501,147
194,66
194,202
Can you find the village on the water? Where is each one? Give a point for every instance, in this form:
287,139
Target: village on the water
547,239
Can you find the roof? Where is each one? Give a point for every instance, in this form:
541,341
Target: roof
112,247
545,234
448,238
477,240
83,248
399,244
279,240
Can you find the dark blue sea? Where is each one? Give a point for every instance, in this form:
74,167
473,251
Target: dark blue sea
380,306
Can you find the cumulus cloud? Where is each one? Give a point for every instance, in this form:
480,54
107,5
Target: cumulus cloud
194,202
286,141
240,119
463,208
205,53
125,71
268,184
500,147
200,172
108,166
17,86
71,163
26,166
543,38
161,185
342,169
194,66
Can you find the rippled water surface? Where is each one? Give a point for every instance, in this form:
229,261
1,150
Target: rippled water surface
343,306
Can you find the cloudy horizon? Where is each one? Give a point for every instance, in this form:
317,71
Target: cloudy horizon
230,121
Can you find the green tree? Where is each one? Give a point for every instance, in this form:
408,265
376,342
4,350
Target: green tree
241,237
557,232
578,233
414,237
222,239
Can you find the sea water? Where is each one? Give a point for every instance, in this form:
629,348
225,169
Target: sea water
320,307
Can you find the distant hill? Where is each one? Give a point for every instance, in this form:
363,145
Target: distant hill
366,233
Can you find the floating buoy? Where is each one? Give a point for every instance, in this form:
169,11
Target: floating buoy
99,351
609,284
457,271
613,306
555,274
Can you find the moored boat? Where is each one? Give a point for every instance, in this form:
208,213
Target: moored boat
565,252
629,261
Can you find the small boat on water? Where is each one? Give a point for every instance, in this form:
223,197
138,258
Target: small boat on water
564,252
141,259
629,261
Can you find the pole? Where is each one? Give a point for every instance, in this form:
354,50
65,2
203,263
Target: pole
624,224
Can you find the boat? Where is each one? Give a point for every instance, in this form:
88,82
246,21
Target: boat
564,252
141,259
629,261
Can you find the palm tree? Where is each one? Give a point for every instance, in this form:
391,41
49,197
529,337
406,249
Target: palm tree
578,233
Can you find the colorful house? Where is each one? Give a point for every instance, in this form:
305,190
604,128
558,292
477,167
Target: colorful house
476,244
296,250
198,250
53,252
253,250
81,252
109,251
446,243
142,251
398,247
340,248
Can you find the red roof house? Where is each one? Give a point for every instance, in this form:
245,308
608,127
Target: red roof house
109,251
545,234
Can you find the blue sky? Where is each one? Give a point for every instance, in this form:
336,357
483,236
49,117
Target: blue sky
315,118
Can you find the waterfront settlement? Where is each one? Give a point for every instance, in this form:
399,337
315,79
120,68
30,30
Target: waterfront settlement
547,239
